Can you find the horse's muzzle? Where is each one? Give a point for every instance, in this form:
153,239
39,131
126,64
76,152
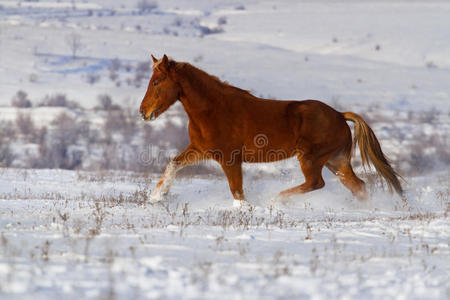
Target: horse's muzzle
152,115
142,112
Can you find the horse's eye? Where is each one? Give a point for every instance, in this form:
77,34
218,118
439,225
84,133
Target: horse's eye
155,83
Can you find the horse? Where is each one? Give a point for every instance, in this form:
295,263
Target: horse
232,126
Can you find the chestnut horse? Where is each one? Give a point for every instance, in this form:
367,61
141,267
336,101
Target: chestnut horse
231,126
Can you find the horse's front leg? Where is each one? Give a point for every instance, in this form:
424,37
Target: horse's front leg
234,176
189,156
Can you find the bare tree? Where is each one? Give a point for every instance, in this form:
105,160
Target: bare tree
59,152
73,40
58,100
21,100
7,136
25,124
104,101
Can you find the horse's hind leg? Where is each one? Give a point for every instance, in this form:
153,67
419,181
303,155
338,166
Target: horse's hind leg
342,168
312,170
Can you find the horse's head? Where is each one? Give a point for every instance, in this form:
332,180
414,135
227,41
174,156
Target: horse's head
162,90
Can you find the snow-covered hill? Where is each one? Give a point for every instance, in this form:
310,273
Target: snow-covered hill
393,54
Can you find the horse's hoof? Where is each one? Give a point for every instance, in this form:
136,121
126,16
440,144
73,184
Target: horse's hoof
241,204
280,199
156,197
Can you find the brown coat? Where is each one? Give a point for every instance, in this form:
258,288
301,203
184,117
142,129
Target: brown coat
232,126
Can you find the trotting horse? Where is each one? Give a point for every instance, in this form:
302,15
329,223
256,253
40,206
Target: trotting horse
231,126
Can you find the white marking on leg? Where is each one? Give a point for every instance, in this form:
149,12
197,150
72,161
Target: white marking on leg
169,176
166,181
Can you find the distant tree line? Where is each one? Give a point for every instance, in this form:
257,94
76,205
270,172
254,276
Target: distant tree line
117,140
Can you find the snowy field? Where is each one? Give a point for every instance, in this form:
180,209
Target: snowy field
78,235
93,234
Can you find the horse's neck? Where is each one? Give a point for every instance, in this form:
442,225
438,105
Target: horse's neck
196,102
197,111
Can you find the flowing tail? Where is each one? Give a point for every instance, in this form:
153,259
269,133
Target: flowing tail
371,152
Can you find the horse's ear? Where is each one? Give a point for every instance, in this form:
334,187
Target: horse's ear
165,61
166,64
154,59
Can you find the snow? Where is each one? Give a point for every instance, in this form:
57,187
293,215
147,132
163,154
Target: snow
103,240
90,235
